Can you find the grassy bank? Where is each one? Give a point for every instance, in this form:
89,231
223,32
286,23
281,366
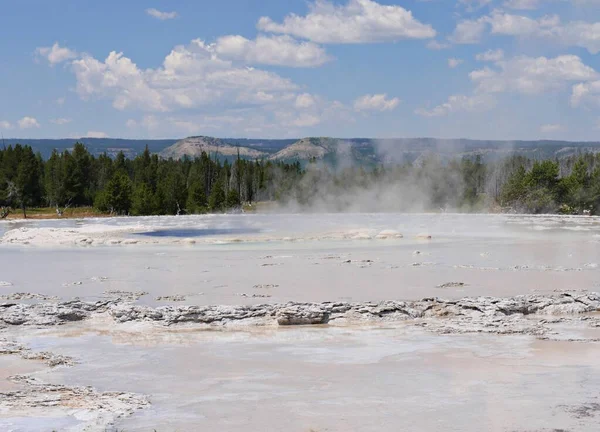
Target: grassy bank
88,212
50,213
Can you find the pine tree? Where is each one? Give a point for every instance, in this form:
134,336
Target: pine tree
233,199
117,195
216,201
143,201
27,182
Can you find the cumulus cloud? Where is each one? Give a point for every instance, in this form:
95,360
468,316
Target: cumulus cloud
551,128
55,54
358,21
375,102
458,103
454,62
305,100
549,28
96,134
469,31
535,4
473,5
28,123
61,121
284,121
517,25
5,124
271,50
161,15
522,4
198,80
529,75
586,93
191,76
490,56
437,46
523,75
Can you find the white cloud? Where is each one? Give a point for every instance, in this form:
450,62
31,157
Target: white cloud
55,54
96,134
469,31
524,75
548,28
437,46
522,4
457,103
305,100
490,56
529,75
584,93
359,21
517,25
551,128
131,123
454,62
302,120
161,15
535,4
473,5
191,76
287,121
271,50
60,101
28,123
5,124
61,121
375,102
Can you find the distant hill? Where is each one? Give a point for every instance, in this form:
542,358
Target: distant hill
194,146
334,151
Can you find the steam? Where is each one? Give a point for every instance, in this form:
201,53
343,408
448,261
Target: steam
407,180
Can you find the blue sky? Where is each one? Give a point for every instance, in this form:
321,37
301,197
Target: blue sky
488,69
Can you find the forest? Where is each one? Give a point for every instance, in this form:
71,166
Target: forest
150,185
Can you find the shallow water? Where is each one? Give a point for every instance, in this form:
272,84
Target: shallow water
500,260
368,379
320,378
192,232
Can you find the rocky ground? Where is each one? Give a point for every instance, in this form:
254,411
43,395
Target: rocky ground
520,314
535,315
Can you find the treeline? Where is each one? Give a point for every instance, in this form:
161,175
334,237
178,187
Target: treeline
149,185
569,186
146,185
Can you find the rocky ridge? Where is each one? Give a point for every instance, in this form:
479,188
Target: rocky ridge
525,314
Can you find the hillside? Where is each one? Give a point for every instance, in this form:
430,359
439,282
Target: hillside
362,151
194,146
305,149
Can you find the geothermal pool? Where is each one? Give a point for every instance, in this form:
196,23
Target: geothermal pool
329,322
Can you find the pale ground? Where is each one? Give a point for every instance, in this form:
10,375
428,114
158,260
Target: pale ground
319,378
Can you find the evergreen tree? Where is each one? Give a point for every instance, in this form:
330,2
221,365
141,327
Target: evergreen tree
233,199
27,182
197,202
144,201
117,196
216,201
